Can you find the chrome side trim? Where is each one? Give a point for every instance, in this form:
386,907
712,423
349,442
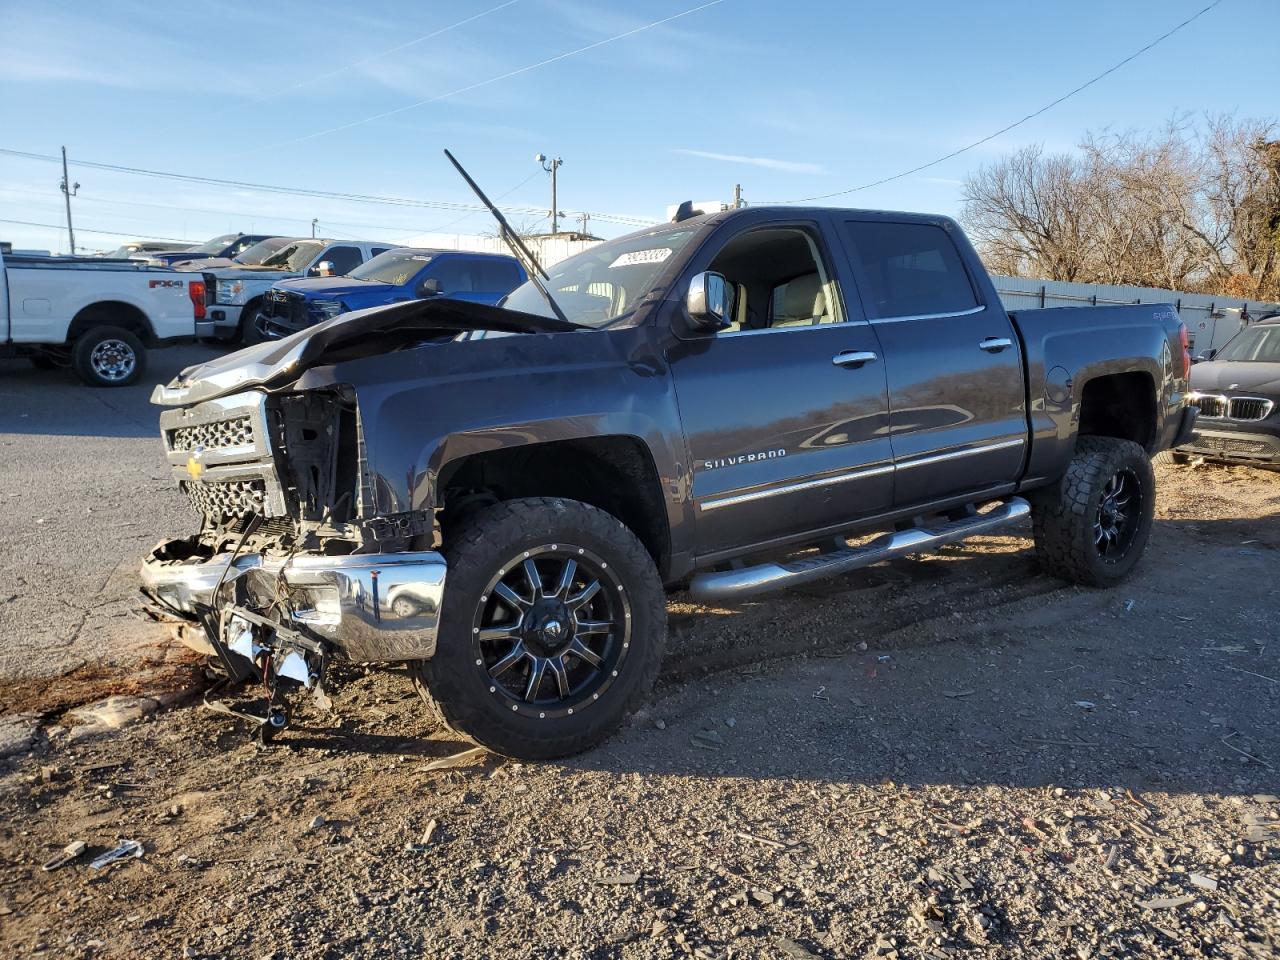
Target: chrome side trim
734,499
737,498
749,581
967,452
930,316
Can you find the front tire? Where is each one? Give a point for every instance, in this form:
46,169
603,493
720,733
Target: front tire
551,632
108,357
250,332
1093,525
1171,457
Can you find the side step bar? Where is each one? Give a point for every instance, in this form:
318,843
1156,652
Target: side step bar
749,581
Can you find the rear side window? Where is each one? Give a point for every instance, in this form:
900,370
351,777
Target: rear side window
498,276
344,259
455,275
909,269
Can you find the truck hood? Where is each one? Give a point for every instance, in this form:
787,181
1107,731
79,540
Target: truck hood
362,333
207,263
1236,376
252,273
329,286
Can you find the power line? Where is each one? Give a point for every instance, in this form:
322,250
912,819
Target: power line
301,192
108,233
484,83
311,81
1017,123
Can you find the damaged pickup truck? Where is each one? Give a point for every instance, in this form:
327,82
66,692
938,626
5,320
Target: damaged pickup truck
734,403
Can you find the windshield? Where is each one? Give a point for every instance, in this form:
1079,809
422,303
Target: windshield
394,266
216,245
252,256
1257,344
601,286
293,256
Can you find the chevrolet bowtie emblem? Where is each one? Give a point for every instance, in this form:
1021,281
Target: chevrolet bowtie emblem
194,466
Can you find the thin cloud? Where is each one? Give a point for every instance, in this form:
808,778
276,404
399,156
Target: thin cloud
769,163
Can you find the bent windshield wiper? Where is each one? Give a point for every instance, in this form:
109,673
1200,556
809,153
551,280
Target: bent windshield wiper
514,243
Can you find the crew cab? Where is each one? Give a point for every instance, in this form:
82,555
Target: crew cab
236,293
98,317
736,403
1237,389
227,245
405,273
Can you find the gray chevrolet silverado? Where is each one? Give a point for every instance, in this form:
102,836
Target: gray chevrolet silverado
733,403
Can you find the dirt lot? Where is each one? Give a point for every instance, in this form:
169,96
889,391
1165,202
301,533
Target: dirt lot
953,755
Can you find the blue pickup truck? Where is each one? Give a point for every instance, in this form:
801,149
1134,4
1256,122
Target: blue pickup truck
405,273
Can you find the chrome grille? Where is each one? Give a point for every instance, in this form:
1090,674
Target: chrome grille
215,435
1250,408
1210,405
233,498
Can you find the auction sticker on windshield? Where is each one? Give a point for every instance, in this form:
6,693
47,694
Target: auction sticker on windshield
654,255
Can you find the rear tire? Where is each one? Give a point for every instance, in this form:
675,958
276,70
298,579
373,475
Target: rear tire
1171,457
1093,525
506,673
108,357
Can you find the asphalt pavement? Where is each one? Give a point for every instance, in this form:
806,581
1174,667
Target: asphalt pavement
84,493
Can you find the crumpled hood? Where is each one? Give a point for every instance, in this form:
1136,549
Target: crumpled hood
276,363
1234,376
328,286
207,263
250,273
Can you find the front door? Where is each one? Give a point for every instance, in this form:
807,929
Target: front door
785,413
956,403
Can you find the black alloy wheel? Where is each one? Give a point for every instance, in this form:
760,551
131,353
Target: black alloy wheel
1119,509
551,630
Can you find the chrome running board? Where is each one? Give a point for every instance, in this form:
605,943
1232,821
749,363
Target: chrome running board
749,581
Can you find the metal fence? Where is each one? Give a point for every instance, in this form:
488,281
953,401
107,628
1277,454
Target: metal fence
1211,321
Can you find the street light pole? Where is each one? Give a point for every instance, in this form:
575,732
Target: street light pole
69,190
551,166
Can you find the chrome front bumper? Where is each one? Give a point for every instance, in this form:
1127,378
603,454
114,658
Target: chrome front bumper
370,607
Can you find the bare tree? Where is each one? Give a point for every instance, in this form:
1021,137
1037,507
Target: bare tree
1182,208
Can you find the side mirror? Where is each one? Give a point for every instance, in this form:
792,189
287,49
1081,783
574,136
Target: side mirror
429,287
710,301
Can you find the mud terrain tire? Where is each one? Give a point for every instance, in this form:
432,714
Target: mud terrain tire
574,703
1093,525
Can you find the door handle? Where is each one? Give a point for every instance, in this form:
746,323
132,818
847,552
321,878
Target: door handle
853,358
995,344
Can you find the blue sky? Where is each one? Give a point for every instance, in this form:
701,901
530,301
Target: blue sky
789,99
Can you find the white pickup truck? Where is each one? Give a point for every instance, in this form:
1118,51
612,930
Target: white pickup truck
237,293
97,316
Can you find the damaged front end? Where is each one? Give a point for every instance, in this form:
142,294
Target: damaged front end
290,568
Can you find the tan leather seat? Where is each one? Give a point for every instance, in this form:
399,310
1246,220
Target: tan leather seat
803,302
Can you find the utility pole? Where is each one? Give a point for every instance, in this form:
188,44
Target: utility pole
583,218
314,221
551,166
737,195
69,190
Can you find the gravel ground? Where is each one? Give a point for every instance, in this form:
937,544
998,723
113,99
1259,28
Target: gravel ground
953,755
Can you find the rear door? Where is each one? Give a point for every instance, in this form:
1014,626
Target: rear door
957,409
344,259
785,414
